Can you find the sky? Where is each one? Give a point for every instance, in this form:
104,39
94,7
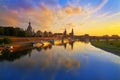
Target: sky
94,17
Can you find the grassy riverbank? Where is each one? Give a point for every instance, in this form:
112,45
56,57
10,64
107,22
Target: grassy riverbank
110,46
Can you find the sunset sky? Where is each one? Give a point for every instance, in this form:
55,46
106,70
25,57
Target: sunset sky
94,17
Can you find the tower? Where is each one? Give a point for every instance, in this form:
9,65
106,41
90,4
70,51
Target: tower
65,32
72,33
29,28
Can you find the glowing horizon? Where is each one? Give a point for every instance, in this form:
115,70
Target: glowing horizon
94,17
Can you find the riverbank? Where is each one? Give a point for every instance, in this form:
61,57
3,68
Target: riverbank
110,46
23,43
28,39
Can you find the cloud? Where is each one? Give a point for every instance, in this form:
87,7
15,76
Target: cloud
115,14
8,17
104,14
27,4
16,4
71,25
100,6
46,16
42,17
49,15
69,10
40,12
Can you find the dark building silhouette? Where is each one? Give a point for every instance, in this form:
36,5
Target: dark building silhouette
50,34
29,28
45,34
59,35
72,33
65,33
39,33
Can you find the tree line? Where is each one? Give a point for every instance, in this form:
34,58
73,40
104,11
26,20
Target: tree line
11,31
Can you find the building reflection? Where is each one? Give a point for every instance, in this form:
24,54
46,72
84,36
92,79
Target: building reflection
29,54
65,45
71,44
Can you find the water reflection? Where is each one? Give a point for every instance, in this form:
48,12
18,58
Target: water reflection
72,61
39,49
67,63
65,45
72,44
11,55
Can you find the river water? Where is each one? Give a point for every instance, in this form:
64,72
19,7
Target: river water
72,61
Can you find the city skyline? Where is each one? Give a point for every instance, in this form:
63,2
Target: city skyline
92,17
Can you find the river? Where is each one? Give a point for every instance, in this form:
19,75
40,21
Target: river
72,61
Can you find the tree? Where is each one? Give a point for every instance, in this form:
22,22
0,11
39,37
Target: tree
6,40
1,31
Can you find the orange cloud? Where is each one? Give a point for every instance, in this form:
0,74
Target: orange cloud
8,18
47,16
42,17
69,10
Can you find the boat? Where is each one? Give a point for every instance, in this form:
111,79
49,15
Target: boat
37,45
46,44
9,48
57,42
65,41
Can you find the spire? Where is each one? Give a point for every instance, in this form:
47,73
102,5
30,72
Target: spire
29,23
65,32
72,31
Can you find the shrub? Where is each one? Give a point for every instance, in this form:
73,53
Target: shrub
7,41
111,43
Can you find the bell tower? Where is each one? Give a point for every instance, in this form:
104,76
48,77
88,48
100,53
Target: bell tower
29,28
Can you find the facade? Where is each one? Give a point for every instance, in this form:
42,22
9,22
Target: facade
59,35
39,33
45,34
50,34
